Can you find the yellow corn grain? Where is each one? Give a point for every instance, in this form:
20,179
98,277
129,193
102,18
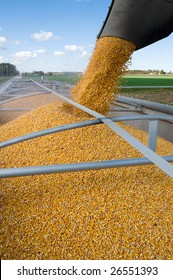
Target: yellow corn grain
100,82
120,213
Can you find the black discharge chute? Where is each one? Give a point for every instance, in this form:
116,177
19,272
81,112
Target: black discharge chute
142,22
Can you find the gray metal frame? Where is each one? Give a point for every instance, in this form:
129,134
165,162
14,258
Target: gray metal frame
148,152
148,104
151,118
75,167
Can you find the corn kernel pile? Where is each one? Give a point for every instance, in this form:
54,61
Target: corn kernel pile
100,82
121,213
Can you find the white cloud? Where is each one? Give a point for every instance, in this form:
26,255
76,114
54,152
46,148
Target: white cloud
56,37
58,53
75,48
17,42
42,36
3,40
1,59
84,53
23,55
39,51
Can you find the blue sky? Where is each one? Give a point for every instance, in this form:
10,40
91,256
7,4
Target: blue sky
60,35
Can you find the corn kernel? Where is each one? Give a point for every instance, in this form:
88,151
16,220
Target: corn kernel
121,213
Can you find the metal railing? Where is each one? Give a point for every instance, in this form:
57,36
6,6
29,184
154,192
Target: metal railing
148,152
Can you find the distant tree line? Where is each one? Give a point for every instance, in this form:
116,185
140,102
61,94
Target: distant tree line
7,69
149,71
41,73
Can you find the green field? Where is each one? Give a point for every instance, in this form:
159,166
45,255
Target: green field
147,80
128,80
160,95
133,80
69,78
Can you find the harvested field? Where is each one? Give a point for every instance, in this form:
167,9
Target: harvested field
164,96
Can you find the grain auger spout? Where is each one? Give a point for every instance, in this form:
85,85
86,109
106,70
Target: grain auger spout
130,25
142,22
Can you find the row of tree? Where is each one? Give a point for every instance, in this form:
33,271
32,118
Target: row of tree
7,69
157,72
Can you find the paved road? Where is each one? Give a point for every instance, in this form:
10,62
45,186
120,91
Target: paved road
4,86
19,87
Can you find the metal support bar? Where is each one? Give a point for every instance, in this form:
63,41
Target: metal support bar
15,109
47,132
77,125
152,137
74,167
126,110
159,161
146,87
54,87
25,88
148,104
